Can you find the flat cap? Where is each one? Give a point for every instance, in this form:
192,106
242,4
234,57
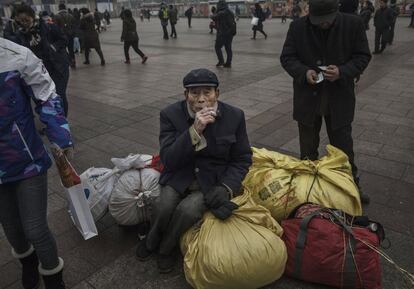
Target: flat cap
322,11
200,77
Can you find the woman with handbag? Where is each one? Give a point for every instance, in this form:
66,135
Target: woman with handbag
130,36
258,13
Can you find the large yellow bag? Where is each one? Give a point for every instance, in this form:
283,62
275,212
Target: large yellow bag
280,183
244,251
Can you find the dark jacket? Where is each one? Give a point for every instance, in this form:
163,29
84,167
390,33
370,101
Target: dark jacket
129,30
258,12
225,160
89,35
224,19
173,14
347,48
51,43
383,18
66,23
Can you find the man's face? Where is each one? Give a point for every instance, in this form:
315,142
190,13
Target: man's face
382,4
201,97
24,20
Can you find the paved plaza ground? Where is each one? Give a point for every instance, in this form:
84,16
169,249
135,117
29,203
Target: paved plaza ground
114,111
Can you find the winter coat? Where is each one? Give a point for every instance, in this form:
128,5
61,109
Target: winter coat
383,18
163,15
223,19
173,14
129,30
90,36
66,23
346,47
45,40
259,14
23,78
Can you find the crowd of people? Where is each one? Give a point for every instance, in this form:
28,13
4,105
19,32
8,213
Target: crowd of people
204,168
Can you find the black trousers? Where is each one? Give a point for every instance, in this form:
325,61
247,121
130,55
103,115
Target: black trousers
226,42
340,138
173,214
164,29
98,50
381,37
134,44
189,21
61,79
391,36
260,30
173,31
70,50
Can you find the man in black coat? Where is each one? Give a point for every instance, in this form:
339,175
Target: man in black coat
226,29
335,46
206,154
383,19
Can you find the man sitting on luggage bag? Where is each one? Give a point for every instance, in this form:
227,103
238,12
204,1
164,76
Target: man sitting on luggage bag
206,154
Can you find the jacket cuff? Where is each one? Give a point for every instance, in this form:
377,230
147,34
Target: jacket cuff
229,190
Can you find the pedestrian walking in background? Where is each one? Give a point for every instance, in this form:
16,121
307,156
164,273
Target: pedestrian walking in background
284,13
141,14
212,24
77,37
24,162
107,17
189,14
121,15
237,12
325,52
412,16
163,15
148,15
226,29
395,12
173,15
90,35
366,13
258,12
66,23
46,41
98,17
130,36
382,21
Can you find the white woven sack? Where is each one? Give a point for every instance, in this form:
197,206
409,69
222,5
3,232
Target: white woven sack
132,196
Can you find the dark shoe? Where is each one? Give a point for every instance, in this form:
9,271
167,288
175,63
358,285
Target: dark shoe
30,273
227,65
86,62
166,263
253,38
144,59
377,52
102,62
127,62
142,253
219,64
53,278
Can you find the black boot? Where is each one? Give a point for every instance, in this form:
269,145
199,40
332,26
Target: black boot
30,274
53,278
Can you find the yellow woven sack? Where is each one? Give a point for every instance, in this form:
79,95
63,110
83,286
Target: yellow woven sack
280,183
244,251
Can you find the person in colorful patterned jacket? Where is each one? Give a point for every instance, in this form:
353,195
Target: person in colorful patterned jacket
24,162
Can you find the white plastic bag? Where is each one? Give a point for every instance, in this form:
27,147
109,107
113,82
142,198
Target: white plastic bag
132,196
98,184
255,21
137,161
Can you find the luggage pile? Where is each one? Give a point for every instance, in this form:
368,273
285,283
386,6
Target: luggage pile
127,190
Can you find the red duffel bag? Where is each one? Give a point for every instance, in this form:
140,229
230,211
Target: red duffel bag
328,246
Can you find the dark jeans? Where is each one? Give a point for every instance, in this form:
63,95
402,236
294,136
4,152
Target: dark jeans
391,33
61,78
71,51
340,138
173,31
173,215
260,30
134,44
98,50
381,37
23,210
165,30
226,42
